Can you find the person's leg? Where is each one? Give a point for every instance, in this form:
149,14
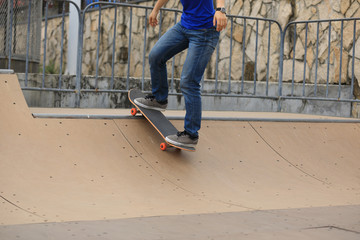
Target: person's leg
201,46
171,43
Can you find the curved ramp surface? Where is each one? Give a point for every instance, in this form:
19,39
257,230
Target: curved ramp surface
105,179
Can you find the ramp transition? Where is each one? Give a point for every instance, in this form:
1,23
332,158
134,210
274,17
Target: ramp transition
105,178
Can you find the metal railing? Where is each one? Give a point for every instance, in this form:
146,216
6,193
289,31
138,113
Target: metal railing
238,84
250,27
43,86
249,24
19,29
129,43
334,41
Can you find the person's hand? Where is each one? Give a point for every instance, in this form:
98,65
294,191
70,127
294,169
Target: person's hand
220,21
153,18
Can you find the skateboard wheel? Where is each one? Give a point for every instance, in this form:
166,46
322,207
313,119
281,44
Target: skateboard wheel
163,146
133,111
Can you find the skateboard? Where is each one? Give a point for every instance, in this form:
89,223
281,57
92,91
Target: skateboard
157,120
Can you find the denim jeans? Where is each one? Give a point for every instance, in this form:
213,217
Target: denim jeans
200,44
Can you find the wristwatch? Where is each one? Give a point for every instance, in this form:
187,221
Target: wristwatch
223,10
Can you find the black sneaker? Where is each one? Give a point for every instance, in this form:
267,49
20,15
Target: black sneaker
182,139
149,102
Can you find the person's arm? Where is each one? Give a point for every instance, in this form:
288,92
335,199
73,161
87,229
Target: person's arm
153,15
220,19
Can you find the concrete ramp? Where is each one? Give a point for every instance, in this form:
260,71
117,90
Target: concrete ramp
108,179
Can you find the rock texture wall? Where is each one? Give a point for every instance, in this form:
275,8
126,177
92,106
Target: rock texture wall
283,11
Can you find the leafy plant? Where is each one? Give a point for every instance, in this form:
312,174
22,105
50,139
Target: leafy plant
50,68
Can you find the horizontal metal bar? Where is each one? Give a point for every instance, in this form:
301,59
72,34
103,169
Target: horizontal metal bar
180,94
303,120
239,95
325,20
103,91
241,119
6,71
126,5
49,89
319,99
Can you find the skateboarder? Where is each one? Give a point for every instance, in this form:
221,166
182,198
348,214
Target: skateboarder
198,31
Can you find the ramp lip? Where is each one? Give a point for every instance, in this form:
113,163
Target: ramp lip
206,118
6,71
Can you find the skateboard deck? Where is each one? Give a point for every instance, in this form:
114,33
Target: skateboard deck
157,120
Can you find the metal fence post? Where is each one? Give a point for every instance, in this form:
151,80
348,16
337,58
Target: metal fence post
27,45
281,66
11,32
79,57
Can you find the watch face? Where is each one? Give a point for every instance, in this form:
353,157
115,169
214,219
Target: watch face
223,10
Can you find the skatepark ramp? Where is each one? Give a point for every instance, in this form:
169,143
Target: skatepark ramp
108,179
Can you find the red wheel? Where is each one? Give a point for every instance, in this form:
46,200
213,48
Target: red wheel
133,111
163,146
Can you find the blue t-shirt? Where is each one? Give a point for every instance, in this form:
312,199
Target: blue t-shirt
197,14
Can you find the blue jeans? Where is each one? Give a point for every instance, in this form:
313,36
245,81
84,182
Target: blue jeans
200,44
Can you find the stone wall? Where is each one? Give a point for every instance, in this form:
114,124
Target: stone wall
283,11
